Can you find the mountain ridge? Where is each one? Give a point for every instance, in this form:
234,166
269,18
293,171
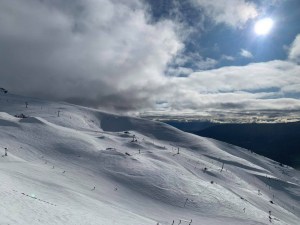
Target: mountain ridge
84,166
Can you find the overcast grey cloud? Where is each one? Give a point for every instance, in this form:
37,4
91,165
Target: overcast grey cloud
97,52
110,54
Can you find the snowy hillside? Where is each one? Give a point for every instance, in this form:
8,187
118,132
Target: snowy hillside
72,165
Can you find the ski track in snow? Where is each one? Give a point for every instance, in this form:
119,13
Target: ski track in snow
86,168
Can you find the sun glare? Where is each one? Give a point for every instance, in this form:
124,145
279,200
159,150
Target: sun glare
263,26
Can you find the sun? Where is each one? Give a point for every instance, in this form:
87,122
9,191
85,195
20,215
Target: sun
263,26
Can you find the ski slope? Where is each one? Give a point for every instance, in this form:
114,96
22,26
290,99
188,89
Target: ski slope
83,168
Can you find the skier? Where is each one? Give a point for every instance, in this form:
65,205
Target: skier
5,149
270,218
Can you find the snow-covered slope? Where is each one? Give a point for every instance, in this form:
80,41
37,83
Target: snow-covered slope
83,167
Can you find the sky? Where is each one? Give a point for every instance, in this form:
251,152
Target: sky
183,59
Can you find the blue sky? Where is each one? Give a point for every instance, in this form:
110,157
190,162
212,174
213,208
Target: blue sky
216,41
190,59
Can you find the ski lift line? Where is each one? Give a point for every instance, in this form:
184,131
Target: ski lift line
33,197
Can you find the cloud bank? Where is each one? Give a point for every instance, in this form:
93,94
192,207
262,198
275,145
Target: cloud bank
94,52
109,54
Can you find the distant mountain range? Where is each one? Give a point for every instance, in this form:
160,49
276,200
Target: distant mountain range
280,141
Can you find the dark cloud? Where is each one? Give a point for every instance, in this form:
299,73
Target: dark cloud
97,53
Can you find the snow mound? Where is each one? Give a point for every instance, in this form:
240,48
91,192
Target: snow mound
35,120
7,120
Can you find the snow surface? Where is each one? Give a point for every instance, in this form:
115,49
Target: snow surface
54,163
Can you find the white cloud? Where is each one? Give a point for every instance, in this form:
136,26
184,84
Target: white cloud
258,88
195,61
179,71
294,51
234,13
207,63
246,53
227,57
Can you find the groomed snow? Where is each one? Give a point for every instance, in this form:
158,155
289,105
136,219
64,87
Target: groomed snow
83,168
